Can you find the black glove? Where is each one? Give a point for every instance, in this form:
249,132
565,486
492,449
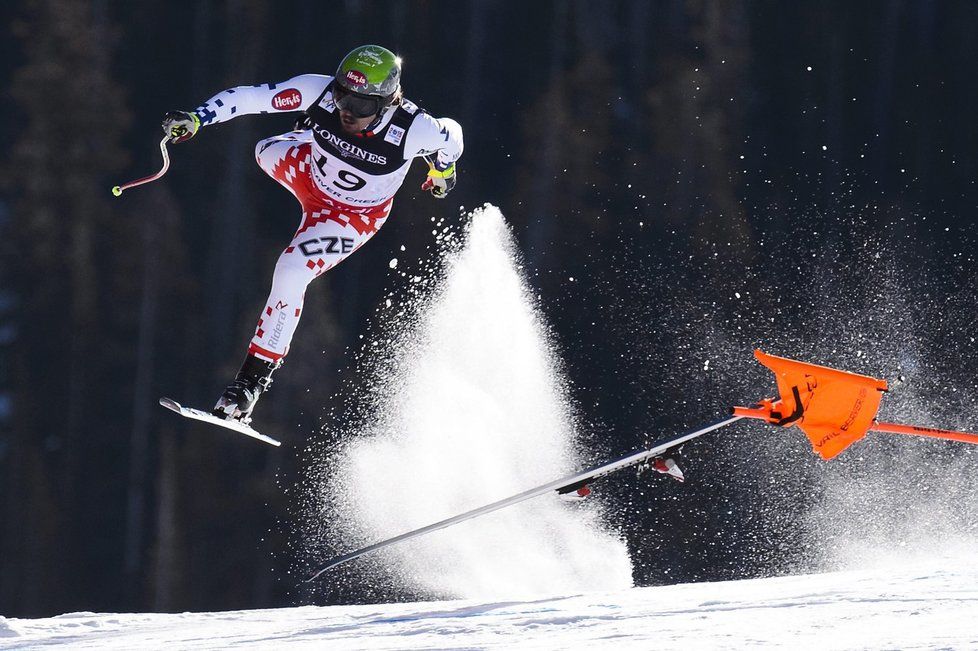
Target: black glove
181,125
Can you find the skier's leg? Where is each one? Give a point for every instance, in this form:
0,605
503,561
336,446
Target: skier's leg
326,237
322,242
286,158
278,320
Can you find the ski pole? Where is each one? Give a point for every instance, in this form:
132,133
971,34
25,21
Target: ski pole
117,190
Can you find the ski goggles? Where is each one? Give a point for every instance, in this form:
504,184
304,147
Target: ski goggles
362,106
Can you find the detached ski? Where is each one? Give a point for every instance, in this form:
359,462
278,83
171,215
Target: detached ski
560,486
234,425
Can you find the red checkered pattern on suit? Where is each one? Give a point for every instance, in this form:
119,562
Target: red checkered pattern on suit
288,160
294,172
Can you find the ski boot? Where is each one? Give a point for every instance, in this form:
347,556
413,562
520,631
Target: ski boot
240,397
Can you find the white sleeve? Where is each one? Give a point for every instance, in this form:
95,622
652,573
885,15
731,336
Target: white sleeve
428,135
296,94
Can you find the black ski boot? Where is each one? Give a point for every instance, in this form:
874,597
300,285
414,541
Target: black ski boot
240,397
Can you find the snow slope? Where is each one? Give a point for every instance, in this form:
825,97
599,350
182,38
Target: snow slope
915,607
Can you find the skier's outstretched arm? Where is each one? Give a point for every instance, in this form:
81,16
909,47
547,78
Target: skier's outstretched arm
296,94
440,141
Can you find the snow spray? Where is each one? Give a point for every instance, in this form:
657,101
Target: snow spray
468,406
857,298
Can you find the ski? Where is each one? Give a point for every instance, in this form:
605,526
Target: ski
560,485
233,425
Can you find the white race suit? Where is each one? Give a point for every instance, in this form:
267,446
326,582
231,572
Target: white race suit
344,182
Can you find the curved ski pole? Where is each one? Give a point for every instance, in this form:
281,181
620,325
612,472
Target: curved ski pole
118,190
587,475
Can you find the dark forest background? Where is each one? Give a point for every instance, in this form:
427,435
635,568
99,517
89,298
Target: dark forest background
617,137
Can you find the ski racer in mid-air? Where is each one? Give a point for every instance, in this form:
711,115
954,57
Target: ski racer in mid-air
346,159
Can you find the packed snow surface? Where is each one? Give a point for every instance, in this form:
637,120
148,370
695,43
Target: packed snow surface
919,606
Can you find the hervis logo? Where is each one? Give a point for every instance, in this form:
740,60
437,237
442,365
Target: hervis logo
356,78
288,100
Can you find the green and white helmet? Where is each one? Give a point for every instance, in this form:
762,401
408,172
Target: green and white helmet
370,70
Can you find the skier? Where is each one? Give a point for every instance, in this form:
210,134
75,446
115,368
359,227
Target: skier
347,157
